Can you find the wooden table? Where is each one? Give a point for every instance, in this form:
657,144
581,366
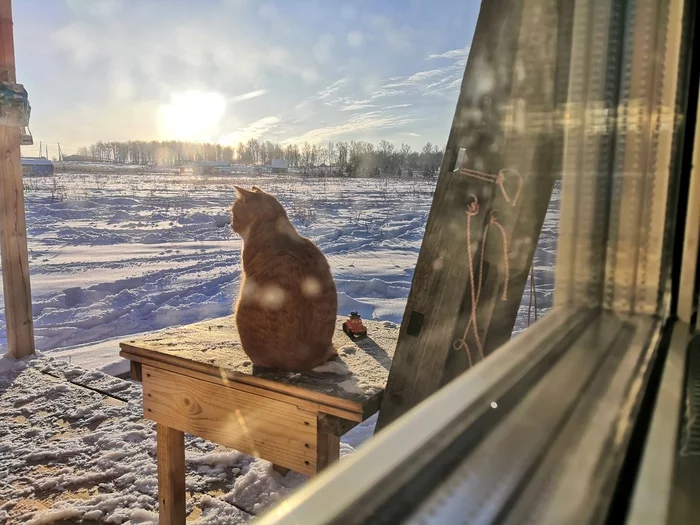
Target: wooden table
197,379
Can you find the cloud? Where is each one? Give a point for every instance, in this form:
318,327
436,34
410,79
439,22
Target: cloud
399,38
416,78
348,12
138,123
440,81
356,107
372,120
460,54
97,8
328,91
383,92
310,75
77,41
252,131
249,95
355,38
323,50
342,69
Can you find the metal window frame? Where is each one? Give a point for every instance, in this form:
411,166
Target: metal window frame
392,479
689,288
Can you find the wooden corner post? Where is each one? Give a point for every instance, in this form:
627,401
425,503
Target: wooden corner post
13,227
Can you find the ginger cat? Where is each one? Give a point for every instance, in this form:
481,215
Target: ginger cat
287,303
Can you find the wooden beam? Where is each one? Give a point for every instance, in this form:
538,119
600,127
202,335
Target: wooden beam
13,228
171,476
495,183
534,147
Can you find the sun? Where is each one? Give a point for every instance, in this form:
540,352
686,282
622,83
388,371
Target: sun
191,115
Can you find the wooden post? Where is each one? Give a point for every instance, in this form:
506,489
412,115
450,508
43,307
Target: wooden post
328,441
496,179
13,228
171,476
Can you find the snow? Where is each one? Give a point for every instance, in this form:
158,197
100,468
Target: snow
69,451
122,253
119,251
115,253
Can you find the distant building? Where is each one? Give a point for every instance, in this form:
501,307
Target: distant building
279,166
203,167
79,158
237,168
36,166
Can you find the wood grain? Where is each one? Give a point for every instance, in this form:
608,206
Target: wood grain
278,432
213,347
135,371
503,125
312,406
328,442
171,476
13,227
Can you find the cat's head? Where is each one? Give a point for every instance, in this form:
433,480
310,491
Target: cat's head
253,207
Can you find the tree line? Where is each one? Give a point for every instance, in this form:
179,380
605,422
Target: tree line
354,158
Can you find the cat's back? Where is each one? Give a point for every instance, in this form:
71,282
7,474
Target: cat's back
280,253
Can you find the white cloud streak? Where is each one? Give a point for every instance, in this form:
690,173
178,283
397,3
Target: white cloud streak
460,54
329,90
249,95
254,130
372,120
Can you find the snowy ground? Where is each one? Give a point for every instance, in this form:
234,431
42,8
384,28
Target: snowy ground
115,253
71,454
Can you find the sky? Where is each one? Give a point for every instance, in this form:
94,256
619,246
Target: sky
230,70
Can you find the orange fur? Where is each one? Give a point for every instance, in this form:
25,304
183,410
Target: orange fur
287,302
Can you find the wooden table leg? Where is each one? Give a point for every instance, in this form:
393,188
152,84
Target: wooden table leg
171,476
330,428
282,470
135,371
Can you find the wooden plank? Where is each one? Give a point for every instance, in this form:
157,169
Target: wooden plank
213,347
499,167
135,371
192,368
171,476
272,430
369,409
13,227
328,438
534,148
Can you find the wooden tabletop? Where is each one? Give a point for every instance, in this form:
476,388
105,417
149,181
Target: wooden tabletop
354,381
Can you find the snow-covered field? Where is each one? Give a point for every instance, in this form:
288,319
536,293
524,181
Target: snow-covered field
120,252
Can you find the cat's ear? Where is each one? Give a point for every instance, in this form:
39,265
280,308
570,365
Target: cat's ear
255,188
242,192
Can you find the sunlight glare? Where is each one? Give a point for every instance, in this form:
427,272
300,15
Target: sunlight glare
191,115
